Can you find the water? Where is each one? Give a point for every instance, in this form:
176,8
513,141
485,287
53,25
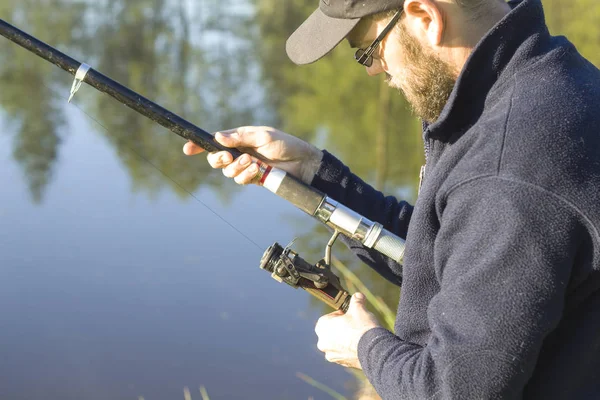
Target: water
108,294
116,283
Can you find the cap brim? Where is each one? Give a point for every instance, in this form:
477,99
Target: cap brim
317,36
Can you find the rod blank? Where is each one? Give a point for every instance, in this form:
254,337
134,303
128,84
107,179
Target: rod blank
126,96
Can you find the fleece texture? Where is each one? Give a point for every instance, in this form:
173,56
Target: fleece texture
501,279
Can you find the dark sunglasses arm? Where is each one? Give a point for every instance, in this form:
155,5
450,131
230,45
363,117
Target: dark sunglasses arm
369,50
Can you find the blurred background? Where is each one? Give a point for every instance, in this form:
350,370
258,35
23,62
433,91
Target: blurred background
129,271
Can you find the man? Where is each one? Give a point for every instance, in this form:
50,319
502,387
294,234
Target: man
501,281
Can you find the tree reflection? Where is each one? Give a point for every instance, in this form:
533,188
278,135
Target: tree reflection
198,60
164,57
36,124
198,69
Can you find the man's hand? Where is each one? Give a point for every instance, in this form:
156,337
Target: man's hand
340,333
274,147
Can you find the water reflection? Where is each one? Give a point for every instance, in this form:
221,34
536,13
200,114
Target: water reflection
111,294
202,60
167,51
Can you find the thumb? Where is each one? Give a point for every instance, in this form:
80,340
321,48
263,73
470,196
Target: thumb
228,138
357,302
245,136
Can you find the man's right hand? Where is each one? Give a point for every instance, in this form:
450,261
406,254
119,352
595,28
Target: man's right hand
276,148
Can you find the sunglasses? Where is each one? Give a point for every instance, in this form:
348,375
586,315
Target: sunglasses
365,56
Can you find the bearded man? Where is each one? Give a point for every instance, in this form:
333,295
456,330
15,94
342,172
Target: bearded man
501,276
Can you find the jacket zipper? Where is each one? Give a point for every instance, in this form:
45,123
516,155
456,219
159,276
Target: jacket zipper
424,166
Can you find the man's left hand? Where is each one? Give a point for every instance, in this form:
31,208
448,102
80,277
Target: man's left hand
340,333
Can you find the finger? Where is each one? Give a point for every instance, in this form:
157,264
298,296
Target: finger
335,357
326,346
357,302
219,159
246,136
332,315
190,149
321,346
319,326
236,167
340,360
248,175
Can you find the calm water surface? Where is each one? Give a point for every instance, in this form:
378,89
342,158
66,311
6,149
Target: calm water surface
114,282
109,294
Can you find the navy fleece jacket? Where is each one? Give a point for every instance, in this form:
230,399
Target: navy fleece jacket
501,280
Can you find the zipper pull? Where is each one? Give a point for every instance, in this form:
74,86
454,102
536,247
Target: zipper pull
421,175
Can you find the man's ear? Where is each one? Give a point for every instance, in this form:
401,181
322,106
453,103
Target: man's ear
425,20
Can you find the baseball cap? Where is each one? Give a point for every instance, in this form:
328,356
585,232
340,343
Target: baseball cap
329,25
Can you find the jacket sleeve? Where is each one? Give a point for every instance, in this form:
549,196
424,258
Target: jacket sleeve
503,257
335,179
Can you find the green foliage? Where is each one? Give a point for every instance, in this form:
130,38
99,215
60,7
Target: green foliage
579,21
336,104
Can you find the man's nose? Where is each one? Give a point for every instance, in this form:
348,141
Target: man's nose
376,68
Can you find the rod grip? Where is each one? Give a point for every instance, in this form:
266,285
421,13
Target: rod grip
284,185
390,245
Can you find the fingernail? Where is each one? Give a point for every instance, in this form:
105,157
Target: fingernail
245,160
253,169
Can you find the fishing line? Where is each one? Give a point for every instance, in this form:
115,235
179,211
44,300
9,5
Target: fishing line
163,173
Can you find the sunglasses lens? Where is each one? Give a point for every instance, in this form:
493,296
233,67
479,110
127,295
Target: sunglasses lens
362,58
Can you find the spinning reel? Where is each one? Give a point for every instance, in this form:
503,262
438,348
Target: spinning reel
285,265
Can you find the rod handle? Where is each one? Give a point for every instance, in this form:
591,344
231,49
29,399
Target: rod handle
292,189
390,245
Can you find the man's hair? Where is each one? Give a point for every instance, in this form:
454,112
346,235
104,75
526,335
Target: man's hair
470,4
476,8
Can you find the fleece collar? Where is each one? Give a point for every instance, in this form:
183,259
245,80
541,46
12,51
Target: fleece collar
505,49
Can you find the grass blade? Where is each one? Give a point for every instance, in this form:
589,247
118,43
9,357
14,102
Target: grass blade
204,393
320,386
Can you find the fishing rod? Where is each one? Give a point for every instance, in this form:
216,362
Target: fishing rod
284,264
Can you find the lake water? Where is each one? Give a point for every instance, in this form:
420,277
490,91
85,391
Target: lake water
115,283
106,293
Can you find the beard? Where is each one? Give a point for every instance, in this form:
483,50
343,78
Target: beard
427,81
